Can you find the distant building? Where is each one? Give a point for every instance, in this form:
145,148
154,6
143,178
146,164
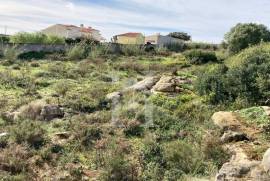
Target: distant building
73,32
161,40
129,38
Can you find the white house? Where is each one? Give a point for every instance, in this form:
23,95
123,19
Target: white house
73,32
161,40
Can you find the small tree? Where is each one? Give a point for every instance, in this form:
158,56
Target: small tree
180,35
244,35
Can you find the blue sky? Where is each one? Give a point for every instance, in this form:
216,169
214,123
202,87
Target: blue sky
205,20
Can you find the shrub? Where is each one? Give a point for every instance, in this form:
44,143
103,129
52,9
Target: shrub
54,40
213,83
184,158
76,52
180,35
11,54
87,135
200,57
245,78
175,47
30,132
132,50
35,38
133,128
31,111
242,36
201,46
32,55
14,160
118,168
4,39
214,151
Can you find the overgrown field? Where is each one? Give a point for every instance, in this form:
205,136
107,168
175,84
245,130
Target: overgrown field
81,135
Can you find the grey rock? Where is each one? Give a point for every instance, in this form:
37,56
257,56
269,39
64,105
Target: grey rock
50,112
232,136
145,84
115,96
266,161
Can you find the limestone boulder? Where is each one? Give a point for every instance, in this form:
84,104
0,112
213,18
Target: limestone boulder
225,120
50,112
145,84
233,136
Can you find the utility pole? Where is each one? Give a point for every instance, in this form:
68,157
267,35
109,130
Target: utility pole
5,30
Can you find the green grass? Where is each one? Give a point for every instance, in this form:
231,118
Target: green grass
255,115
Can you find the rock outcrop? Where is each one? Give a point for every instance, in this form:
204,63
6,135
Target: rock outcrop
114,97
50,112
225,120
36,110
233,136
145,84
236,137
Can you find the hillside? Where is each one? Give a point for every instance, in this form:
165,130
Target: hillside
164,116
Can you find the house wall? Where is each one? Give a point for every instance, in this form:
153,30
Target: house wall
161,40
152,39
130,40
62,31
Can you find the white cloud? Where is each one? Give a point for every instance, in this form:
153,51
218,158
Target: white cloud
205,20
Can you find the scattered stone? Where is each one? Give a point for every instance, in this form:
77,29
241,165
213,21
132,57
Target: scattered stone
266,161
233,171
232,136
267,110
3,134
225,120
145,84
50,112
115,96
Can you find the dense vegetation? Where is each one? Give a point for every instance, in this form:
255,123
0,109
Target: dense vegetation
35,38
145,136
244,35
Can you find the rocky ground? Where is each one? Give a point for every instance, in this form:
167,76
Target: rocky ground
238,138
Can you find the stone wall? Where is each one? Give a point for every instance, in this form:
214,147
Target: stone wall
24,48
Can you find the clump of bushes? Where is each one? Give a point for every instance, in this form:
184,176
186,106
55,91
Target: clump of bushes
77,52
200,57
36,38
246,77
245,35
30,132
11,54
200,46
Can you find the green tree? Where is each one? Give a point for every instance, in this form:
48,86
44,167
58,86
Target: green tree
242,36
180,35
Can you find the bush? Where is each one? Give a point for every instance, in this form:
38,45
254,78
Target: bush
35,38
32,55
175,47
87,135
200,57
247,77
242,36
133,128
213,84
132,50
11,54
214,152
180,35
30,132
15,160
76,53
201,46
184,158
